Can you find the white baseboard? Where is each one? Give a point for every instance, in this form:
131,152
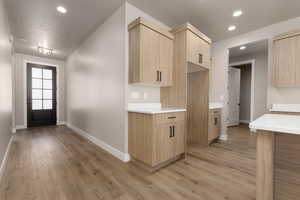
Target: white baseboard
61,123
115,152
5,158
21,127
223,137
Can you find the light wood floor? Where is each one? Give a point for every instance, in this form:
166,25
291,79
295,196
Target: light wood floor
53,163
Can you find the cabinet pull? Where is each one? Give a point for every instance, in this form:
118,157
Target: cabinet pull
171,132
160,76
157,75
216,121
200,58
171,117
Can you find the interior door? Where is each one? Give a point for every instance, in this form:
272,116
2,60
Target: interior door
41,95
234,81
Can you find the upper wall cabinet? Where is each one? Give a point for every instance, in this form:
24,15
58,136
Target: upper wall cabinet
286,60
198,47
150,54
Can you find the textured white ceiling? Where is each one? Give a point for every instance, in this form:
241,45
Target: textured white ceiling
36,22
213,17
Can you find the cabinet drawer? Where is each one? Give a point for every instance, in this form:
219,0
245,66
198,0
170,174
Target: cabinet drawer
169,117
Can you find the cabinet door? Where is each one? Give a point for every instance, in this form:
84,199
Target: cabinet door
163,144
193,47
298,62
149,55
205,53
285,62
179,135
198,51
166,60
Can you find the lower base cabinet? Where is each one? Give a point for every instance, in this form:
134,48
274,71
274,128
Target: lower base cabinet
155,140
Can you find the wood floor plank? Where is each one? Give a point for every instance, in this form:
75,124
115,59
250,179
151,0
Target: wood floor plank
50,163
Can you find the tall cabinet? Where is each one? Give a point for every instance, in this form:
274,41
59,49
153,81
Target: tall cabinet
190,89
286,60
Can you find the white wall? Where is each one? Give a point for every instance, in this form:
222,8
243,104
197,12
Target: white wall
219,70
95,83
5,85
20,87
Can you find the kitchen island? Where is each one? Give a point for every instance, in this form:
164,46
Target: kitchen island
278,157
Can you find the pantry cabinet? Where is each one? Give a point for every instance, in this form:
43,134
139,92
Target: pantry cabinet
286,60
150,54
156,139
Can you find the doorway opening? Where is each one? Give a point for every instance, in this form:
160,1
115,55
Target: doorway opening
41,95
241,92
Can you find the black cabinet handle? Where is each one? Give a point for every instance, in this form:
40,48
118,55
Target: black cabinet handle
170,132
173,131
160,76
216,121
157,75
200,58
171,117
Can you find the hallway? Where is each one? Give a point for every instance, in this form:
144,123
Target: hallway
55,163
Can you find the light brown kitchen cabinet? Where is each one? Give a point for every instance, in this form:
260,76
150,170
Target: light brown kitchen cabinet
150,54
286,61
156,139
214,126
198,50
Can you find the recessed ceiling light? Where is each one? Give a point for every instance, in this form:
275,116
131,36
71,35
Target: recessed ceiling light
61,9
231,28
243,47
237,13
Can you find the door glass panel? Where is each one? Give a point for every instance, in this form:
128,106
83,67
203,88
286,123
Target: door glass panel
36,73
37,83
47,74
47,94
47,84
37,94
47,104
37,105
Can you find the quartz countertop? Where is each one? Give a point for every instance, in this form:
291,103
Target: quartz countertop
277,123
157,110
292,108
215,105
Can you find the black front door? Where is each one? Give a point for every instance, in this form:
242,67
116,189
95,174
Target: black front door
41,95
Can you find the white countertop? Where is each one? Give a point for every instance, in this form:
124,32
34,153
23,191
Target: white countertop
285,108
215,105
277,123
151,108
157,111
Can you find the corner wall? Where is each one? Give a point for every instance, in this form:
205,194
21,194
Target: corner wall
219,72
5,85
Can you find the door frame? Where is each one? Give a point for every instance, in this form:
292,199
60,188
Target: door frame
25,88
252,62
